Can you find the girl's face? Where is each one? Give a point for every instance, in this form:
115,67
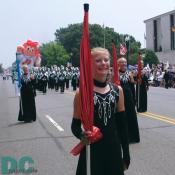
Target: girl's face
101,64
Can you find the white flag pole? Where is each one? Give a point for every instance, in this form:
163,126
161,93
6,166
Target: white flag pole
88,158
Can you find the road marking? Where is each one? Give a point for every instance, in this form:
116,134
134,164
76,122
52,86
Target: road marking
70,92
158,117
54,123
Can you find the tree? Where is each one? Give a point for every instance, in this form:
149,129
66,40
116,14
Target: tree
70,38
1,69
53,53
133,59
150,57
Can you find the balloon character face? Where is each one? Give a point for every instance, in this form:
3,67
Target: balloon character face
29,54
29,51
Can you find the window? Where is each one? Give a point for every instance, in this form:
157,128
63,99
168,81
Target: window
172,31
155,35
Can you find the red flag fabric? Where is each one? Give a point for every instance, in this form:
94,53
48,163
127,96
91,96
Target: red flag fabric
86,81
116,79
139,69
86,87
123,50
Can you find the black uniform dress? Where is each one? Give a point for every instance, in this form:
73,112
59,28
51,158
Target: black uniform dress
133,129
74,81
106,154
142,91
57,83
27,110
52,81
62,82
68,76
44,83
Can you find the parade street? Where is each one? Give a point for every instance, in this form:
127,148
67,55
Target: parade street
49,140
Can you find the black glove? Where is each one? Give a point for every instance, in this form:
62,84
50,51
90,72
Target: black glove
76,128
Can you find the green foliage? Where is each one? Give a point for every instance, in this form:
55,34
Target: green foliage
150,57
133,59
134,48
70,38
53,53
1,69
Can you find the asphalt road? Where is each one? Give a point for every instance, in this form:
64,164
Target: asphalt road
49,140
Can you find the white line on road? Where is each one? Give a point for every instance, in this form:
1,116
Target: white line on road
54,123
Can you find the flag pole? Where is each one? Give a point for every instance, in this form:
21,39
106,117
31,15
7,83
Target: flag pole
104,36
88,157
127,45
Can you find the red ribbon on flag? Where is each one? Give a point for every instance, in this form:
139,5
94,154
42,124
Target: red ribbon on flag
139,69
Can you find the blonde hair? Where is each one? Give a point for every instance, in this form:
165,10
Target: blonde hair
97,50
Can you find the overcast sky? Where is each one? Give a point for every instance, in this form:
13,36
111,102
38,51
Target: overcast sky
38,19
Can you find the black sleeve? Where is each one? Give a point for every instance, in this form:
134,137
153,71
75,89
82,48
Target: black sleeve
76,128
122,129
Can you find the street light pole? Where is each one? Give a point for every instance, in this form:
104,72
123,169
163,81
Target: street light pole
104,36
127,39
71,58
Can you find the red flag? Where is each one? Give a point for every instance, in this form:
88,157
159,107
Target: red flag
86,81
139,68
123,50
116,79
86,87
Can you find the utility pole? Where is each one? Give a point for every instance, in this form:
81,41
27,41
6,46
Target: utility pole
127,40
104,36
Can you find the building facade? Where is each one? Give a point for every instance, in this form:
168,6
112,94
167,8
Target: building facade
160,36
